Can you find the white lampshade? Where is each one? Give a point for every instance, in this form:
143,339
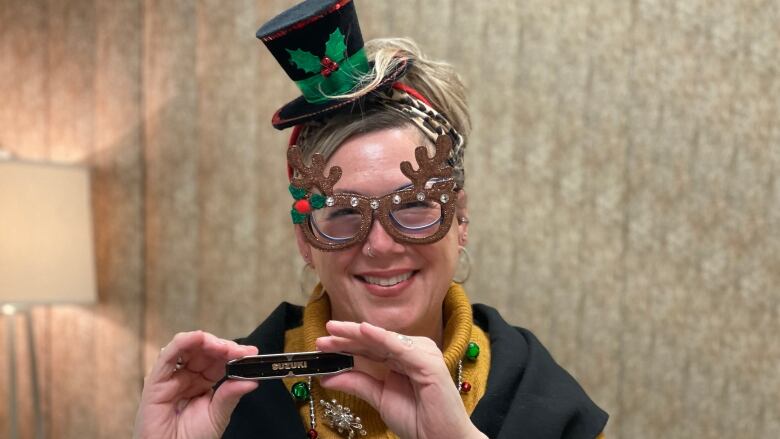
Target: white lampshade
46,247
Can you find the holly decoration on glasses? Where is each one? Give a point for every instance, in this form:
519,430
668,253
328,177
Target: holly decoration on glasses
305,203
305,179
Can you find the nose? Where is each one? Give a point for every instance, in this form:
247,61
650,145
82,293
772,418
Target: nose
380,242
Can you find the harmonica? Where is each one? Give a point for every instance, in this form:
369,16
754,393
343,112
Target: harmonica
291,364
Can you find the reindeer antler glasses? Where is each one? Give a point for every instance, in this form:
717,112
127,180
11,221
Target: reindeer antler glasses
419,214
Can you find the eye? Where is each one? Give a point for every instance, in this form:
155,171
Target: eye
342,212
415,205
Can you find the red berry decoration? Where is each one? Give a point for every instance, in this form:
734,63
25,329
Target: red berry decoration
328,66
465,387
302,206
313,434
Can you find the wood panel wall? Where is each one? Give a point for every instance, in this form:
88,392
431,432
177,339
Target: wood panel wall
624,178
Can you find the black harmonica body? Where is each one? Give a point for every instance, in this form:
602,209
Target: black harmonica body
291,364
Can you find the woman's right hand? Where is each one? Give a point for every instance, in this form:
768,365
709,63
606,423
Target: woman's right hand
178,400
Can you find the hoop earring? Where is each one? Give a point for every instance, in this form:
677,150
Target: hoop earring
463,270
307,279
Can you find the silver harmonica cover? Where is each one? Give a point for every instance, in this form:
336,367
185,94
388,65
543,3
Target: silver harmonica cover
291,364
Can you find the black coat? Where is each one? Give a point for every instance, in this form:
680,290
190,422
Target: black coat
528,395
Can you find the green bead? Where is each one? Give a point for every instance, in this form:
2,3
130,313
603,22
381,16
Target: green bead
300,391
297,192
297,217
472,351
317,201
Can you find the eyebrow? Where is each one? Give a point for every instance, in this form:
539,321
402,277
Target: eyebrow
352,191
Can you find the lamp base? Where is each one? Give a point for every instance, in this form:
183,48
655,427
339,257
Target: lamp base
10,312
10,333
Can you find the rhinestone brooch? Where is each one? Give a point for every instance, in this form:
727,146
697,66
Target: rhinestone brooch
342,419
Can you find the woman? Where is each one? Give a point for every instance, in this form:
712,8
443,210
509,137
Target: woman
380,214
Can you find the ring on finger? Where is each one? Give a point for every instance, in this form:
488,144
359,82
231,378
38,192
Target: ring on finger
406,340
179,363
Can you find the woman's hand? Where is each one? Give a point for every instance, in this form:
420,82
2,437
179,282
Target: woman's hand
417,399
178,400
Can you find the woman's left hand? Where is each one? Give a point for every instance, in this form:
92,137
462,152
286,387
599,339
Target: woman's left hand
417,398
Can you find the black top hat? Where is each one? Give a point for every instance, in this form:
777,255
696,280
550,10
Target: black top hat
319,45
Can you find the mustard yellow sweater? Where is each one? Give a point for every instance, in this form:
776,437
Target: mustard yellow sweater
458,332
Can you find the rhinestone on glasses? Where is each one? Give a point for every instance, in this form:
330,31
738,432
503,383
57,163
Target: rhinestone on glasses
396,199
420,196
444,198
374,204
353,202
330,201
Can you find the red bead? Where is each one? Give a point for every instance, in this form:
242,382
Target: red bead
302,206
313,434
465,387
328,66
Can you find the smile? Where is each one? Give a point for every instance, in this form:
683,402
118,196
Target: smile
387,281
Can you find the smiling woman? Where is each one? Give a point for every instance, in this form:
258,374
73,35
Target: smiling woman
381,279
379,208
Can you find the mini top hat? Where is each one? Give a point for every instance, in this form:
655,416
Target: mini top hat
319,45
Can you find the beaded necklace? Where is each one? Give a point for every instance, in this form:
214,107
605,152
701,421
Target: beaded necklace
342,419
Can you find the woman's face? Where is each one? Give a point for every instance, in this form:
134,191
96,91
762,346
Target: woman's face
401,286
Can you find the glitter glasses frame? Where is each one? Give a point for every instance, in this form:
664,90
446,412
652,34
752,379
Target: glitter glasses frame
443,193
433,170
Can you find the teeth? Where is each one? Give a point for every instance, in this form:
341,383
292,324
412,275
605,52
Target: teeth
387,281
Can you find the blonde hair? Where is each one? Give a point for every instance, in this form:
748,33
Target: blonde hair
436,81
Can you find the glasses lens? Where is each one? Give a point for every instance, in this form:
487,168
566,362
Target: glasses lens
417,219
337,223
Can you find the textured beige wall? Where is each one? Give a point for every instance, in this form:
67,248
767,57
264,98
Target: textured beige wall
624,175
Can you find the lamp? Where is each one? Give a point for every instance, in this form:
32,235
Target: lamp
46,252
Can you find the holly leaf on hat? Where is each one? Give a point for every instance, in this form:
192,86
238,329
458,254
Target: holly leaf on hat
336,45
306,61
